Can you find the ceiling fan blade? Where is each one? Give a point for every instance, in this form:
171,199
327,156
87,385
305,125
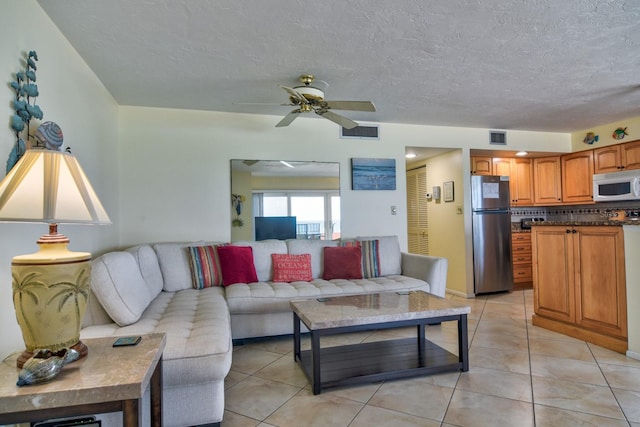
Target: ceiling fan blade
264,103
337,118
295,94
351,105
286,121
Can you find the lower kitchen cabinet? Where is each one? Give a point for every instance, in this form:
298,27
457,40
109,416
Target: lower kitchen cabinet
521,258
579,283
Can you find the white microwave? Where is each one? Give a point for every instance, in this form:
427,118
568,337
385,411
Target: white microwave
608,187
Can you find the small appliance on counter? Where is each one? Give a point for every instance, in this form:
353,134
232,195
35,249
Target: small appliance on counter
525,223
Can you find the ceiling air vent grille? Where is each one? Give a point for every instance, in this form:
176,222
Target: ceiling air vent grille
497,138
360,132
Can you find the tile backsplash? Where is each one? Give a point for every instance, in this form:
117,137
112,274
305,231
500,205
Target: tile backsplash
598,211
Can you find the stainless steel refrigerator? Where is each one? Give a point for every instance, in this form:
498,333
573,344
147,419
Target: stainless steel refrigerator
492,268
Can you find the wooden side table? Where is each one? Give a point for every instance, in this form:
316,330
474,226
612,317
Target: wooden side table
109,379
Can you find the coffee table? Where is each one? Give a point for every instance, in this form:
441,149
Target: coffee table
108,379
382,360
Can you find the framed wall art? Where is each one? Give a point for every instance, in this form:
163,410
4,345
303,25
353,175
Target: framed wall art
447,191
373,174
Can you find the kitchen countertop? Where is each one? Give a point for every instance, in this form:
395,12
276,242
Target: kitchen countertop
605,222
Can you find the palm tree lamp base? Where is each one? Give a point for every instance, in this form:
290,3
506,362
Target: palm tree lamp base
50,293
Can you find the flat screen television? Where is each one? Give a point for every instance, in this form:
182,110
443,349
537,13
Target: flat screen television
275,227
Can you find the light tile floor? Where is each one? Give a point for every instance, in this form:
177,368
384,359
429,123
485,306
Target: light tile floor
520,375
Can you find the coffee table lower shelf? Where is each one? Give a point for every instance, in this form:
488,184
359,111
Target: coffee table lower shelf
377,361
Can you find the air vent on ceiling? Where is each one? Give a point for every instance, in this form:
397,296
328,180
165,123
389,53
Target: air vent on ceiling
360,132
497,137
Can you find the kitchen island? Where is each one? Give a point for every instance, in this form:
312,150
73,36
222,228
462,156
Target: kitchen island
580,281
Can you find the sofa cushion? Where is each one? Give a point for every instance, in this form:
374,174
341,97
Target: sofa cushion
205,266
236,263
197,325
315,248
262,251
291,268
118,284
342,262
274,297
174,264
389,254
147,261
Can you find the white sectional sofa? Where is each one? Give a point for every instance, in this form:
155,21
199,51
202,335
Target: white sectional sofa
150,288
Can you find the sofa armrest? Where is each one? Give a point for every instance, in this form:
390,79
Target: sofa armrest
431,269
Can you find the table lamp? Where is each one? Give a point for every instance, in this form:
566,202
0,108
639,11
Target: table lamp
51,286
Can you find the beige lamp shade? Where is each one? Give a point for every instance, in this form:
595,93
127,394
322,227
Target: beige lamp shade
51,286
51,187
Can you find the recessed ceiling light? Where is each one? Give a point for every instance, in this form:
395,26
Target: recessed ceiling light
521,153
410,155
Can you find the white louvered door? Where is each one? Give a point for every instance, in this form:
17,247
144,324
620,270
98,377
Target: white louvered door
417,215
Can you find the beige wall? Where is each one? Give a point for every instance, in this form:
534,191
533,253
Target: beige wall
604,132
241,184
446,219
446,225
297,183
72,96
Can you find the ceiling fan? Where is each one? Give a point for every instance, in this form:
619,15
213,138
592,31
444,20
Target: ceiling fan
308,98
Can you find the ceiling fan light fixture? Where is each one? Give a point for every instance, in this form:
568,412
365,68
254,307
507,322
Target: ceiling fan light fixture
310,92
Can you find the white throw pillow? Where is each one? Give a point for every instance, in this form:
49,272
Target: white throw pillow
174,264
262,251
314,247
118,284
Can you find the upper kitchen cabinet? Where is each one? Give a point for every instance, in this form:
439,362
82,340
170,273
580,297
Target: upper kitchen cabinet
520,173
522,182
631,154
547,186
481,165
617,157
577,177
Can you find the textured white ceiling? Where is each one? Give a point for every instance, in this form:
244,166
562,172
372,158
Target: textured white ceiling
546,65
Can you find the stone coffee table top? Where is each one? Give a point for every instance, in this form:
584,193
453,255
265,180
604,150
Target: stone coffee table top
353,310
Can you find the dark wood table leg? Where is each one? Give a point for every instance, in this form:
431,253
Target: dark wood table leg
156,395
131,413
296,337
463,342
315,361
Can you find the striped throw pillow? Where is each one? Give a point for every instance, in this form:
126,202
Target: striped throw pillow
370,256
205,266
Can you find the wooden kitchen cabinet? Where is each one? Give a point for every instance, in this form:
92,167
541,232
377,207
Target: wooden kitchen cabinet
631,155
614,158
520,173
579,283
607,159
577,177
547,186
521,258
481,165
521,181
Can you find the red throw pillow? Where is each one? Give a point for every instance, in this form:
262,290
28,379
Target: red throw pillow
341,262
236,263
291,268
